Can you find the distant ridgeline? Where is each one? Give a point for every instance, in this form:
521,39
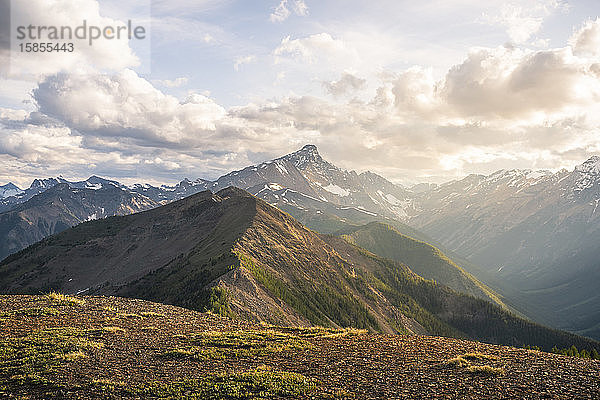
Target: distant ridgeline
233,253
532,235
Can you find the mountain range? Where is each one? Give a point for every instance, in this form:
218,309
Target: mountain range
535,235
234,254
61,206
530,235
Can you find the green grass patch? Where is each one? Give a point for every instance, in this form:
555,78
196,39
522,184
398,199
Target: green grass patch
179,353
151,314
28,361
235,344
318,331
74,355
478,356
464,361
110,309
252,343
458,362
486,370
129,315
31,312
150,328
108,385
63,299
258,383
112,329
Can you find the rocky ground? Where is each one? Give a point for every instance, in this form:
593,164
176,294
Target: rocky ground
105,347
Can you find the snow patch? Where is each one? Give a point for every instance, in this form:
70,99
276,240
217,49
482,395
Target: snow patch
281,168
335,189
93,186
537,174
9,190
92,217
390,198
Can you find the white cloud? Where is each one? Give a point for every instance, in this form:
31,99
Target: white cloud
347,83
111,55
282,12
239,61
300,7
507,82
522,21
586,41
497,106
125,105
311,48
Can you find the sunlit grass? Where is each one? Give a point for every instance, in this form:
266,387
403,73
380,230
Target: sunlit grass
30,359
63,299
486,370
112,329
464,361
259,383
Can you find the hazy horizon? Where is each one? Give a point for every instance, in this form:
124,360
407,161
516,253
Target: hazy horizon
133,181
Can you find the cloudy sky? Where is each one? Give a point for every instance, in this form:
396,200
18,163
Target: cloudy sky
415,91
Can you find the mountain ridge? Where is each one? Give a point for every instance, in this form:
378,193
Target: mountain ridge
546,221
234,253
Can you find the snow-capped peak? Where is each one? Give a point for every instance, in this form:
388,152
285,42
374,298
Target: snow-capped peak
591,166
308,149
588,174
10,189
306,155
43,184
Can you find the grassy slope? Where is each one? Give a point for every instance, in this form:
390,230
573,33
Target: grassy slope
328,223
424,259
476,318
185,279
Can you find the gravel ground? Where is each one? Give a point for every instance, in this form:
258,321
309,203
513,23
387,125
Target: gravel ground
361,366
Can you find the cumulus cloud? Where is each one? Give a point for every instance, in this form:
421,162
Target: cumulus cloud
586,41
311,48
300,7
497,106
126,105
112,55
32,143
507,83
282,11
347,83
522,22
414,91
